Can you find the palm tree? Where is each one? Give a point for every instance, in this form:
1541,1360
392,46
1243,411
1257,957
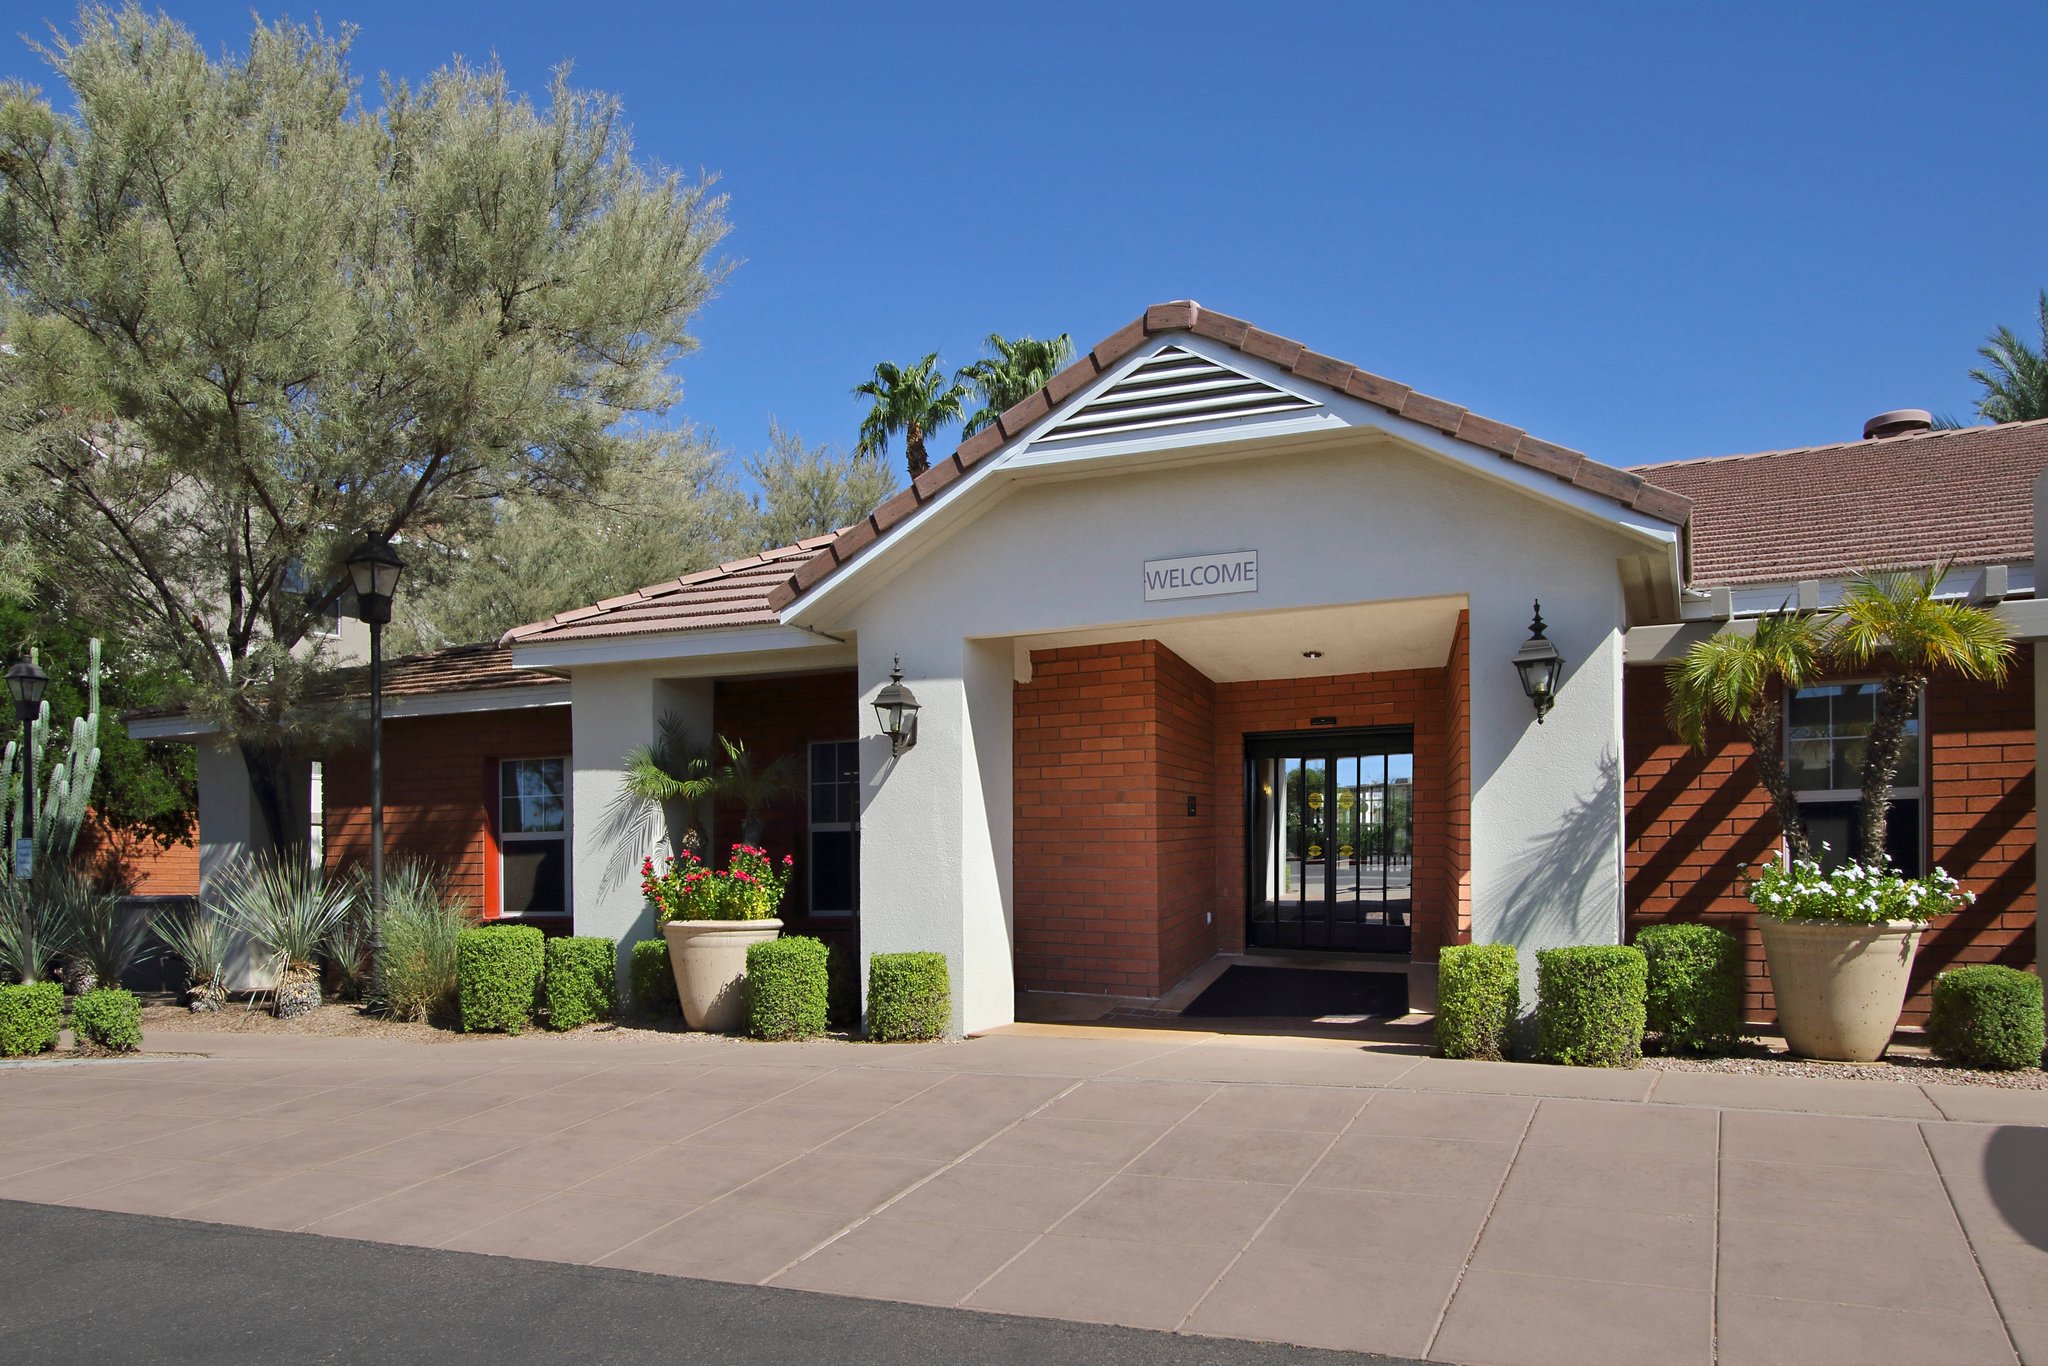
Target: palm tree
1744,679
2016,380
1892,619
1014,371
673,769
916,402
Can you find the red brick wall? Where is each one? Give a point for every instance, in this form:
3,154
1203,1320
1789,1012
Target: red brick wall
440,792
142,867
1696,821
775,717
1409,697
1457,833
1184,750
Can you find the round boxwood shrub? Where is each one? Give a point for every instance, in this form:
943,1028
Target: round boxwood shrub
1589,1004
788,985
654,981
497,972
108,1018
1987,1016
1478,995
581,980
910,996
1694,997
31,1014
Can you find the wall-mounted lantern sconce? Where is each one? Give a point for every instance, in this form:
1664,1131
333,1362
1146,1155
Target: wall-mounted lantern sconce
896,709
1540,666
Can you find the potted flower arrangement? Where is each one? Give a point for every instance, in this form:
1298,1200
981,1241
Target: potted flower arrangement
709,919
1840,946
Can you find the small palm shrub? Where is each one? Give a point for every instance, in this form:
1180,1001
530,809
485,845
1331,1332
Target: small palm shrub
788,982
1590,1004
580,978
910,996
417,975
498,971
1478,997
292,912
34,930
108,1018
31,1014
1989,1016
198,939
1694,995
105,940
654,981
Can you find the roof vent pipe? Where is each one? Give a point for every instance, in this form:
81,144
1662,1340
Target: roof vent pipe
1898,422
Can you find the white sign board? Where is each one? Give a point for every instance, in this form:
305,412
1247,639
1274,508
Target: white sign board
1202,576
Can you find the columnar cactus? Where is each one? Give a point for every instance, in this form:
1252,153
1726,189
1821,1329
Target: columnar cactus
61,810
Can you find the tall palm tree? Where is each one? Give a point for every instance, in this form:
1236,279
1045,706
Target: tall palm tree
915,401
1744,679
1013,372
2016,380
1892,619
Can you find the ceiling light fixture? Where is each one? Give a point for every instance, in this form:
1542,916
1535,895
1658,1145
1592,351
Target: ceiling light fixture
1311,654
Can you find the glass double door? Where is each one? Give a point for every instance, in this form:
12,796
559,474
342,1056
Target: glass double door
1331,841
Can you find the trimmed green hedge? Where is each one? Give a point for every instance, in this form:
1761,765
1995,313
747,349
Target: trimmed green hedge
910,996
497,971
654,981
788,982
1590,1004
30,1017
108,1018
1478,996
1987,1016
581,980
1694,996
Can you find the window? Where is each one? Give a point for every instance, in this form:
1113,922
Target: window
533,836
1827,732
835,814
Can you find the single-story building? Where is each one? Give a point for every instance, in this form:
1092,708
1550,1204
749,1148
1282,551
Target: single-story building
1212,641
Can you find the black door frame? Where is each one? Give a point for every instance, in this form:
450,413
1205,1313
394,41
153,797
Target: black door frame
1328,745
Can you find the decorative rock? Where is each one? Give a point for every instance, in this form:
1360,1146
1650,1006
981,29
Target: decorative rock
296,998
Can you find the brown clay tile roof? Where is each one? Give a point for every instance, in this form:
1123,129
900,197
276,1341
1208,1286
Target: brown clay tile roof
457,669
758,589
1962,497
735,593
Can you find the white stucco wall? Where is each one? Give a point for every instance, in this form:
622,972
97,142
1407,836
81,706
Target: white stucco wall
1370,522
614,709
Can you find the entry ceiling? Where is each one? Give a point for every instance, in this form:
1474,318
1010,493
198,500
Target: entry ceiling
1358,638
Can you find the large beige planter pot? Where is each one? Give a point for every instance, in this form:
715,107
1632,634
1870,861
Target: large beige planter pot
1839,987
709,959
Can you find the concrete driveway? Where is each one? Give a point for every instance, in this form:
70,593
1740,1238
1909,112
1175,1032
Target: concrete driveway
1302,1192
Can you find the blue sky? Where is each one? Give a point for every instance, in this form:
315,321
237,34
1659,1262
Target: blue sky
1646,231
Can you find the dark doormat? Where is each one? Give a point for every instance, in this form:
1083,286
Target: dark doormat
1305,993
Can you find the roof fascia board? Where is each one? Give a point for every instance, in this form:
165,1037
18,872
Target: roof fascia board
1337,412
2026,618
712,647
1757,599
395,709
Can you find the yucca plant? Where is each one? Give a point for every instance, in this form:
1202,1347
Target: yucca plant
416,974
105,940
199,939
34,931
290,910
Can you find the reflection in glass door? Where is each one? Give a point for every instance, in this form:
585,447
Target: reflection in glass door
1331,839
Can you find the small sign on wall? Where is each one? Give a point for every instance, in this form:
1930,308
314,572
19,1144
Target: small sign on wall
1202,576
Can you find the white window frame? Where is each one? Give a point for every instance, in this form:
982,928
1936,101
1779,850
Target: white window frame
813,826
1915,793
566,836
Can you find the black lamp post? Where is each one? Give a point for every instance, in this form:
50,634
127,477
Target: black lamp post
1540,666
374,569
896,709
25,684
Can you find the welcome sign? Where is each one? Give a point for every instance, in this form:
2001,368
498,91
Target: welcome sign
1202,576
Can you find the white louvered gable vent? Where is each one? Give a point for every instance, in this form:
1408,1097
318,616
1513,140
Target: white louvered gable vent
1173,388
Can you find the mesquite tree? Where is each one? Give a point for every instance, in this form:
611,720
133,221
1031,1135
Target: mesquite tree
250,319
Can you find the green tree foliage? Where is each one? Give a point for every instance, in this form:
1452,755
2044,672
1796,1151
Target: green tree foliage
251,318
2015,375
808,492
664,508
146,790
913,401
1013,372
